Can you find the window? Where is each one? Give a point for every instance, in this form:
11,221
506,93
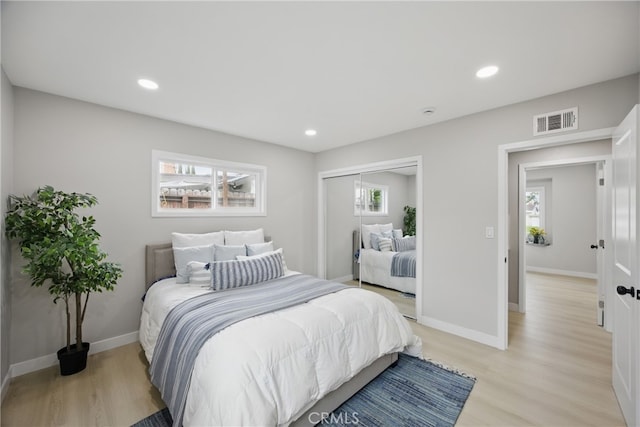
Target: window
534,206
370,199
196,186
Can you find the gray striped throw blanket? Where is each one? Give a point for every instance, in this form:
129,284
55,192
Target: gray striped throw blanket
190,324
403,264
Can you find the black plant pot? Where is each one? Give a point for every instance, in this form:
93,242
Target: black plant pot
73,361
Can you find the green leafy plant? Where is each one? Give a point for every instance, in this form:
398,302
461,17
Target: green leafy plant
61,249
536,231
409,221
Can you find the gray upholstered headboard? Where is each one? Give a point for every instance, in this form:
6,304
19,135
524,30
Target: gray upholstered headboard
158,262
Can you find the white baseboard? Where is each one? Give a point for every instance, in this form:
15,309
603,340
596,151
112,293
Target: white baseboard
42,362
562,272
470,334
513,306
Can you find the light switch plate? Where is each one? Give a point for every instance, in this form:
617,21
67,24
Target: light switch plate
488,232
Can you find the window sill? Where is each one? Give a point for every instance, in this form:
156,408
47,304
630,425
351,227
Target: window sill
537,244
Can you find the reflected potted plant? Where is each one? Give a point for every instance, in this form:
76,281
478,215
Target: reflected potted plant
409,221
537,234
61,250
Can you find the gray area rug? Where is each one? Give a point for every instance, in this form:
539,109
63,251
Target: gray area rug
413,393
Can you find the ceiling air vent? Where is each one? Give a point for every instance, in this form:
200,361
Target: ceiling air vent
558,121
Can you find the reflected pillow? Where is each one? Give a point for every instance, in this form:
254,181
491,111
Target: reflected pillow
405,244
384,244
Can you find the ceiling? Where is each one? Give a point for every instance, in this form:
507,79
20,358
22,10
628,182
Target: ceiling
351,70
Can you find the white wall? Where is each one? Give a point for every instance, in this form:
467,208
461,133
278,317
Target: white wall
77,146
460,195
6,185
571,220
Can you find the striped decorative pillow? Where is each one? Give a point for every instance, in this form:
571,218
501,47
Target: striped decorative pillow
384,244
404,244
233,274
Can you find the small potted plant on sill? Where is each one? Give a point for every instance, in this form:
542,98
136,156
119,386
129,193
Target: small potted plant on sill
61,250
537,234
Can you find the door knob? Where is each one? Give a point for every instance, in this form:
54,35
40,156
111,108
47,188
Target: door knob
622,290
594,246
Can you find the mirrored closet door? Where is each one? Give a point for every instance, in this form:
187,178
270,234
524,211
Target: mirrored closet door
370,233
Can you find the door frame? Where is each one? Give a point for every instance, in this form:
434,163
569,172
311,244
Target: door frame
368,168
603,225
503,214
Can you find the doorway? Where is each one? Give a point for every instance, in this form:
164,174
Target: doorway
565,201
508,246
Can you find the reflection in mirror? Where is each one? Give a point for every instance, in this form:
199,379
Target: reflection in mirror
340,222
387,256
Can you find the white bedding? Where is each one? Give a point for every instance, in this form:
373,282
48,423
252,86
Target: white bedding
375,268
270,369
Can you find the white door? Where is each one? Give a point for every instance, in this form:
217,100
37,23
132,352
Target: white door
625,268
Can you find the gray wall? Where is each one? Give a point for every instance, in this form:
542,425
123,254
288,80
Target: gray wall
341,221
6,177
585,149
77,146
571,213
460,177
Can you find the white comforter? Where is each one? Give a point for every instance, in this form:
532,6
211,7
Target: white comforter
375,268
270,369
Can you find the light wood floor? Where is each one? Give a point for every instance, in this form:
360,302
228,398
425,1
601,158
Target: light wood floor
556,372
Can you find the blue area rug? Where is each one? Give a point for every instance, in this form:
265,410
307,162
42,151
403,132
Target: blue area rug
413,393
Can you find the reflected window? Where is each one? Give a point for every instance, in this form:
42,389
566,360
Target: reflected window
370,199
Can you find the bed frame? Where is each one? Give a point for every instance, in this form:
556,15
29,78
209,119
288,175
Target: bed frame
159,264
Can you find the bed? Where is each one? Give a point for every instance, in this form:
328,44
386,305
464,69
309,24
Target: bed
384,268
280,367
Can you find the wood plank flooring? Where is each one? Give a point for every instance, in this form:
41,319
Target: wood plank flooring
556,372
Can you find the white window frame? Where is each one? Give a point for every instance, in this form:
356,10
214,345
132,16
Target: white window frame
260,172
361,187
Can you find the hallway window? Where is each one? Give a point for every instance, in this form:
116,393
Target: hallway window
534,204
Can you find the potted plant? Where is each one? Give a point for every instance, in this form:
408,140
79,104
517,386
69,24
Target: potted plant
409,221
61,250
536,233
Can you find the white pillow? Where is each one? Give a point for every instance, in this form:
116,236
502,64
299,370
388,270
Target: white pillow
397,234
277,251
244,237
198,273
182,257
228,252
259,248
182,240
384,244
367,229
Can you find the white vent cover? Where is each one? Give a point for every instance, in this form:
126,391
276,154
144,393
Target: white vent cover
557,121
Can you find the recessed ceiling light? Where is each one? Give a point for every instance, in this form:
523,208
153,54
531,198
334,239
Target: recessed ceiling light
310,132
485,72
148,84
